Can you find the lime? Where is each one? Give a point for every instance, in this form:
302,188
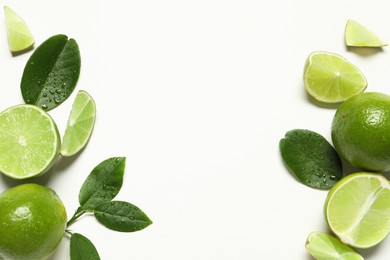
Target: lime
330,78
358,35
361,131
323,246
29,141
80,124
32,222
357,209
19,36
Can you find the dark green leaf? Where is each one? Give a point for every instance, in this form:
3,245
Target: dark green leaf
121,216
103,183
311,158
81,248
51,73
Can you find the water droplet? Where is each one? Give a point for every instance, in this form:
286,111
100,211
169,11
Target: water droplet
57,100
324,180
58,91
44,106
332,177
44,95
51,91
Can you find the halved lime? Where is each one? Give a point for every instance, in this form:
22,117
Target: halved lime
357,209
19,36
330,78
29,141
358,35
80,124
324,246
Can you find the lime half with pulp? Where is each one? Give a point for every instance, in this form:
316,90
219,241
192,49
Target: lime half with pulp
357,35
29,141
330,78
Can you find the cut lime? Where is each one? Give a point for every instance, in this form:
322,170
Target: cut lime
80,124
19,36
357,209
323,246
29,141
357,35
330,78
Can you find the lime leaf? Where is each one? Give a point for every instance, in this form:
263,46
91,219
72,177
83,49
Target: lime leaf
311,158
19,36
51,73
324,246
103,183
121,216
357,35
81,248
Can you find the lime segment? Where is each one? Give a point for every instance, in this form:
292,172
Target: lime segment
29,141
324,246
357,35
357,209
19,36
330,78
80,124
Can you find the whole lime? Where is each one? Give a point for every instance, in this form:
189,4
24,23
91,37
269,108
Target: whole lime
32,222
361,131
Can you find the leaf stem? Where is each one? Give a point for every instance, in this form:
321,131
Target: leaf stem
79,212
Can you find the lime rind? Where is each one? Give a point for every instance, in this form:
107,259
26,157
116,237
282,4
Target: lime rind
330,78
19,35
357,35
80,124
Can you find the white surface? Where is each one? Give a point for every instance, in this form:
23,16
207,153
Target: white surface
197,95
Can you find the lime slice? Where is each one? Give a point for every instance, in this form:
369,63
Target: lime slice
19,36
80,124
330,78
324,246
357,209
29,141
359,36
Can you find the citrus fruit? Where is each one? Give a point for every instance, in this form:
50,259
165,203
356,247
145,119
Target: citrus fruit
324,246
32,222
330,78
357,209
19,36
361,131
80,124
29,141
358,35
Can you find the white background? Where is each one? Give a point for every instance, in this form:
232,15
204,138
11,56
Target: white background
197,95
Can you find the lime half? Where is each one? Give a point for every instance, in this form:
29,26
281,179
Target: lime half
19,36
324,246
29,141
330,78
357,209
357,35
80,124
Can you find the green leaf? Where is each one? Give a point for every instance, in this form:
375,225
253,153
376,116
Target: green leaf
121,216
81,248
311,158
103,183
51,73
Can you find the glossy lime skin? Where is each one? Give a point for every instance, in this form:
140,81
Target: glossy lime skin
361,131
32,222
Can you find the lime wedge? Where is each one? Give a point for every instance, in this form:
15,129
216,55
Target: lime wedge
324,246
80,124
29,141
330,78
358,35
357,209
19,36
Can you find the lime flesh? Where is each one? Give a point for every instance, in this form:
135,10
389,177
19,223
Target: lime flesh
357,209
330,78
29,141
358,35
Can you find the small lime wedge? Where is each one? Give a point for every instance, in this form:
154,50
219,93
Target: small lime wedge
80,124
330,78
357,209
29,141
19,36
357,35
323,246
